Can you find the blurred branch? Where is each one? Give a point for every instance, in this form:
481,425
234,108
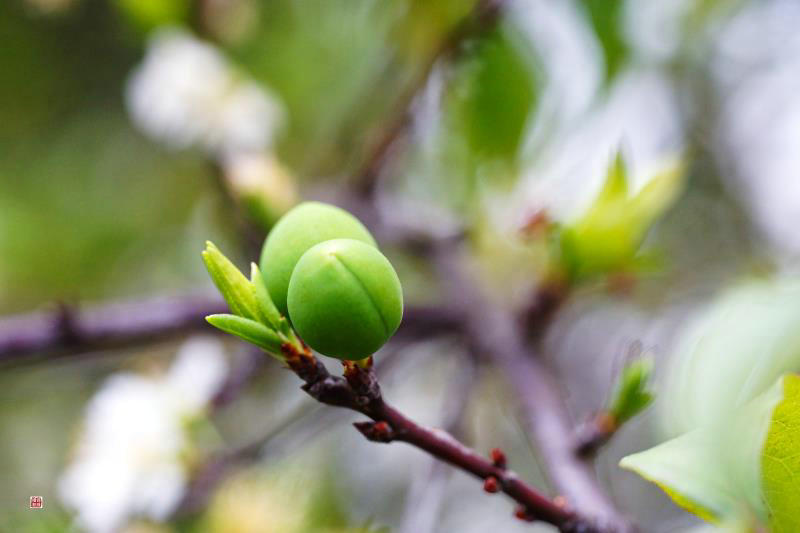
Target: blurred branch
495,332
594,434
67,329
483,17
70,330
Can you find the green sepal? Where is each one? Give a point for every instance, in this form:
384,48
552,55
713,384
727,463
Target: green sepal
268,313
250,331
232,284
631,394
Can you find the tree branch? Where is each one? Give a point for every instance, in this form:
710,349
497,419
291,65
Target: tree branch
359,391
67,330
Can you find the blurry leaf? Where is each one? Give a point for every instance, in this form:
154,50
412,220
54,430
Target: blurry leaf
232,284
686,469
715,471
731,353
660,192
495,94
631,395
780,461
607,237
149,14
250,331
615,188
607,20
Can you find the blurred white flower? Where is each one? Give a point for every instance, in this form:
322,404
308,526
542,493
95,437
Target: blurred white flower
757,77
186,93
128,462
656,29
639,115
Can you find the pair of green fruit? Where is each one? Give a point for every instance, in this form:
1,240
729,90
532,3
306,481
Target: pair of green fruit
323,270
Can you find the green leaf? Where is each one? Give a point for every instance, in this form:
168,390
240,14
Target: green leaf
780,461
607,237
267,311
714,471
615,187
248,330
607,18
496,92
660,192
232,284
630,395
686,469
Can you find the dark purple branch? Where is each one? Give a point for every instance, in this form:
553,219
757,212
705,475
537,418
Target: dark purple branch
359,391
25,338
72,330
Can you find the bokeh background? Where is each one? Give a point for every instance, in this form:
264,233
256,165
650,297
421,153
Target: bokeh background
129,130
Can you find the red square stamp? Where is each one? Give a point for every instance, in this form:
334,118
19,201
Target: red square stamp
37,502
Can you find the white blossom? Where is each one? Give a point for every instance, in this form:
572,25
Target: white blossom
756,71
128,462
185,93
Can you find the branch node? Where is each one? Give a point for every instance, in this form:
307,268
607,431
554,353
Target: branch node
498,458
491,485
524,514
376,431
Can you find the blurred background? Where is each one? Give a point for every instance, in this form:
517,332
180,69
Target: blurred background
131,131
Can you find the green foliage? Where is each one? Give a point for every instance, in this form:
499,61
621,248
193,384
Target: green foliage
146,15
255,319
306,225
345,299
714,471
732,398
607,237
631,394
495,94
237,290
780,461
606,17
248,330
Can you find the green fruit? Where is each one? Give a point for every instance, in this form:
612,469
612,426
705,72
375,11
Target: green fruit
306,225
345,299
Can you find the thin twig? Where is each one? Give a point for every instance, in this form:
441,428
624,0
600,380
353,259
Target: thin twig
359,391
594,434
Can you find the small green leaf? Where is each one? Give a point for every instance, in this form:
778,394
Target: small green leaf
630,395
249,330
607,237
616,184
268,313
660,192
780,461
232,284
